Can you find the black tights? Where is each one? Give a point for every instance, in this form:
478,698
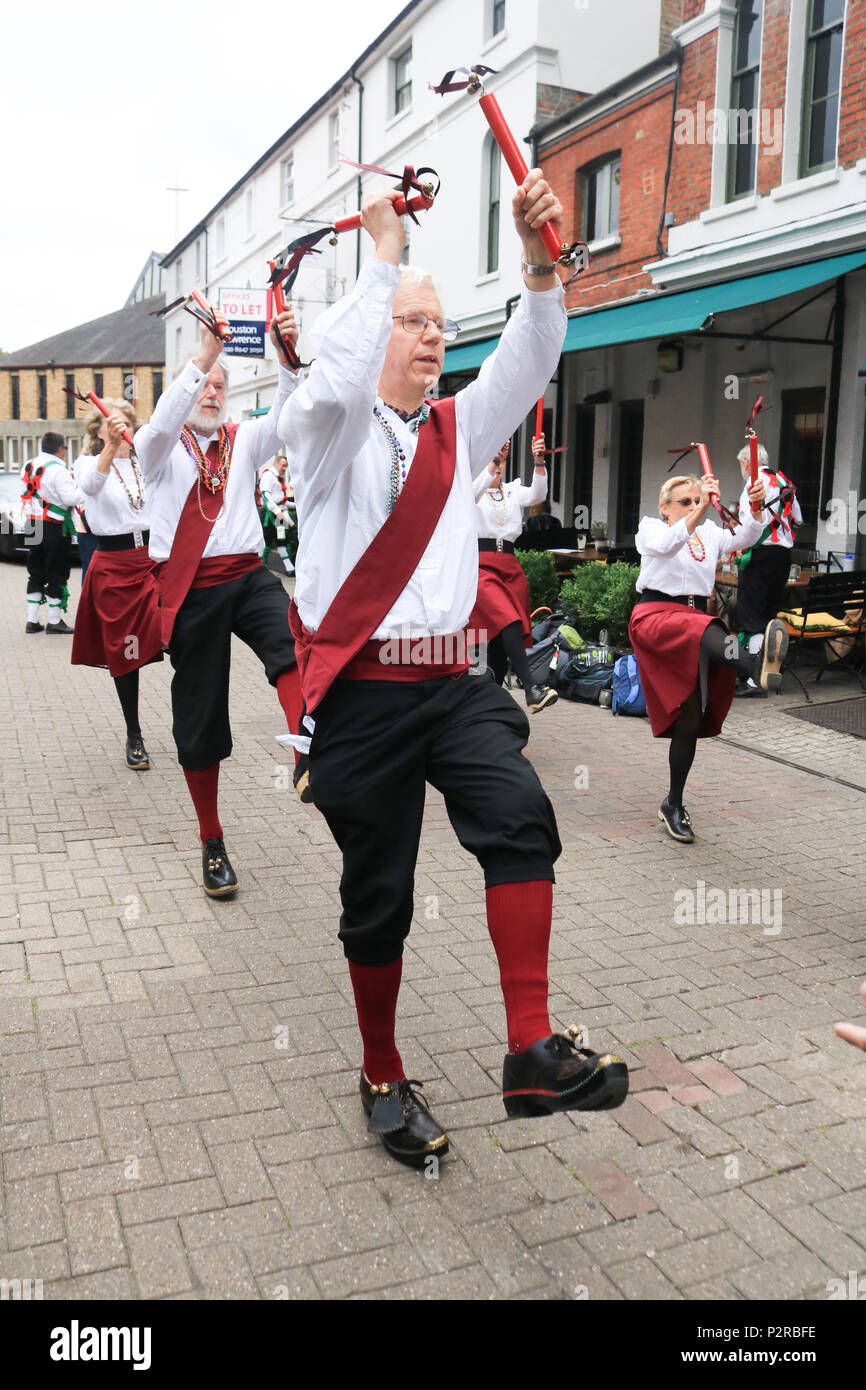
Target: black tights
508,647
720,648
127,692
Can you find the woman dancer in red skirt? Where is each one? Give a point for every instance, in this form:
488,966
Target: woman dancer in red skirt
117,622
502,606
689,661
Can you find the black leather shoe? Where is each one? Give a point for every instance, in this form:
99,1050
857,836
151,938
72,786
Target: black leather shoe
676,822
61,627
745,691
555,1074
218,877
773,653
136,754
301,779
402,1119
539,697
34,627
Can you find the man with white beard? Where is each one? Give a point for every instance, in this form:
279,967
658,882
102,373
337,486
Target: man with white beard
206,537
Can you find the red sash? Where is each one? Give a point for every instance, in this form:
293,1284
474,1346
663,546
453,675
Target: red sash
176,575
370,591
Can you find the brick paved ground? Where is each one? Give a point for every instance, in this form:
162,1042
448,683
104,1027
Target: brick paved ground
178,1110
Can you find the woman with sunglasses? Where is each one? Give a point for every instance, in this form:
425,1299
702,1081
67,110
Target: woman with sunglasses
688,660
501,613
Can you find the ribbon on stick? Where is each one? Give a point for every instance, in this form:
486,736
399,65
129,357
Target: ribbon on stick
574,254
195,303
729,519
91,398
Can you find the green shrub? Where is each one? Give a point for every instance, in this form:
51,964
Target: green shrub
540,570
601,596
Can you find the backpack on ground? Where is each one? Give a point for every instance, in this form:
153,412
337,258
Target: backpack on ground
586,674
628,696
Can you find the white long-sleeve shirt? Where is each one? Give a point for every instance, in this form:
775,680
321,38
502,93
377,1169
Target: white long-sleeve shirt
169,472
273,491
341,462
57,487
107,505
782,534
671,565
503,519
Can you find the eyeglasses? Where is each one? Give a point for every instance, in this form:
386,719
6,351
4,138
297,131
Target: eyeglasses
416,323
688,502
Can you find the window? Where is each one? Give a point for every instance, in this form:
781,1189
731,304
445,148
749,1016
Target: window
42,380
288,179
821,94
157,386
16,397
198,262
220,234
498,23
333,139
14,453
801,445
178,276
494,179
2,452
630,457
178,346
70,400
98,388
250,212
402,66
601,201
744,97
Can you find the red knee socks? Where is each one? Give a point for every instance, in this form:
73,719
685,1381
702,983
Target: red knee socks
518,919
291,699
376,988
203,788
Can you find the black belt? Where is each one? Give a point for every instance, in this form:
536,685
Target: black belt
687,600
132,540
500,546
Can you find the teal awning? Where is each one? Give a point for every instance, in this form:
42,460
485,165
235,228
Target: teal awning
665,316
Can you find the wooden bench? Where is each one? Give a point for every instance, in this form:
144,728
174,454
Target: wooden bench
841,596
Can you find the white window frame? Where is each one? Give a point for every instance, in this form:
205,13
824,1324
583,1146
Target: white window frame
220,241
489,13
287,180
731,197
398,57
250,210
606,235
490,154
178,276
333,139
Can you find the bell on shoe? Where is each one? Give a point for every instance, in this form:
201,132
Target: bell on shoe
555,1074
218,877
676,822
136,755
403,1121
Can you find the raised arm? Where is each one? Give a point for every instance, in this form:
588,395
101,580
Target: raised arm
263,434
513,378
155,440
482,482
536,492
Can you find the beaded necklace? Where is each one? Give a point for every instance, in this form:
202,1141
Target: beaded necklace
136,505
498,499
695,537
399,466
214,481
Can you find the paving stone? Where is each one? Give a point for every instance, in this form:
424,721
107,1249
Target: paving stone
182,1154
642,1278
702,1259
94,1235
782,1278
224,1272
619,1193
33,1215
158,1259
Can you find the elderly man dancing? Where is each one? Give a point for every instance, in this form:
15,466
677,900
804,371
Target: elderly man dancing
206,537
388,550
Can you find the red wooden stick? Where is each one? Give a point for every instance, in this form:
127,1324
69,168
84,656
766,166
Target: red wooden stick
223,330
753,466
420,203
103,409
539,419
513,157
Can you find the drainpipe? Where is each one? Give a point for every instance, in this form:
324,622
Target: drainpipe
833,393
359,84
660,233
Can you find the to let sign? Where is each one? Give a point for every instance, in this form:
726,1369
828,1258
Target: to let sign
246,311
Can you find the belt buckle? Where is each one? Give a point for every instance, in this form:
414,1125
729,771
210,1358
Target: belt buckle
691,601
138,538
499,544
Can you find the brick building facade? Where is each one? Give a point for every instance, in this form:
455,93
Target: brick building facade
721,189
120,355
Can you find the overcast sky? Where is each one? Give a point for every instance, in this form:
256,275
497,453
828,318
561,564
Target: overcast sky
106,106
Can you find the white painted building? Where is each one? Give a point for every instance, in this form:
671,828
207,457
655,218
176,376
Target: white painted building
382,112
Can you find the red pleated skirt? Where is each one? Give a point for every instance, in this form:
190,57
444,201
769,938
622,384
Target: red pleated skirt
503,595
666,638
117,623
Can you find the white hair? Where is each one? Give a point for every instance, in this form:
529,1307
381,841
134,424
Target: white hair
220,362
412,276
744,457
